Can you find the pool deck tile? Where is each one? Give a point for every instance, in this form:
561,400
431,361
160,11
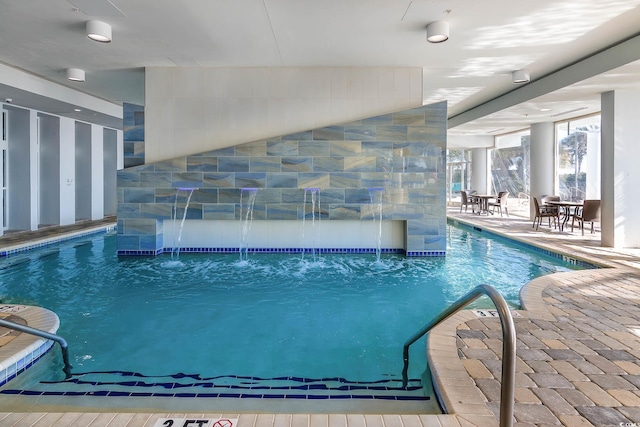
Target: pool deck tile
578,347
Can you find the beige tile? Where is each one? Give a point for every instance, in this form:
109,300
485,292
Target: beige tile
599,396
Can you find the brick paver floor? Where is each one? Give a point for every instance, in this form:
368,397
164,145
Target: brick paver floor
578,352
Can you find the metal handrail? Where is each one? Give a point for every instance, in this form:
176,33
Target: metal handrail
43,334
507,388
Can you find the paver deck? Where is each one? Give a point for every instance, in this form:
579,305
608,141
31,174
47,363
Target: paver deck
578,352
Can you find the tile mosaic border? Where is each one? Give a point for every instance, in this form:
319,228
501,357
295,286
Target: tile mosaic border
18,248
293,250
386,251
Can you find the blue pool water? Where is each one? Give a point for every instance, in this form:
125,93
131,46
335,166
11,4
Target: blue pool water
272,322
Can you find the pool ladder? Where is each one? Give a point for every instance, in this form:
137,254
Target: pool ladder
507,387
46,335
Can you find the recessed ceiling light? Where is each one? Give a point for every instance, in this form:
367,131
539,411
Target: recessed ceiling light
99,31
75,74
77,110
438,32
545,109
520,76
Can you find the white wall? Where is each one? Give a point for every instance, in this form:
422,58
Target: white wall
284,234
192,110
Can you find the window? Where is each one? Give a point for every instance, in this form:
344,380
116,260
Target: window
458,173
578,158
510,166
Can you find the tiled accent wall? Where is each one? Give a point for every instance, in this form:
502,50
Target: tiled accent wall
402,153
133,135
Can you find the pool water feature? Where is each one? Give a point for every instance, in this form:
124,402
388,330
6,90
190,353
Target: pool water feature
268,332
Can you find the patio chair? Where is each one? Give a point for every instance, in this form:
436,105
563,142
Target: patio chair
500,203
590,212
545,212
467,200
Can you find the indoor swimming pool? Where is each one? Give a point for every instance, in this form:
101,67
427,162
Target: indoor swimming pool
218,331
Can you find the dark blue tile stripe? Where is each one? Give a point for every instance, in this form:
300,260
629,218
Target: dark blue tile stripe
386,251
104,393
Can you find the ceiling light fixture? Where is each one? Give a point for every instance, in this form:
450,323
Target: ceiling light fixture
75,74
437,31
520,76
99,31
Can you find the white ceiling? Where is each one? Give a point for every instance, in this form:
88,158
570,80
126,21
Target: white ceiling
489,39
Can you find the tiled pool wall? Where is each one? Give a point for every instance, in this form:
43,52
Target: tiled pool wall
23,247
12,367
401,154
22,352
512,241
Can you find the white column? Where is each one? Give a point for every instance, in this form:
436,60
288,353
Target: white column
479,170
594,175
97,172
67,171
620,221
542,158
33,169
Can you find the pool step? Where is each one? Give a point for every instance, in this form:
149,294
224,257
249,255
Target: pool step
192,385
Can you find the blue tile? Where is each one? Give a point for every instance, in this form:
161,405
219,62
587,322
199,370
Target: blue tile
233,164
251,180
187,180
314,148
155,179
202,164
282,180
385,119
297,164
360,133
219,180
329,133
307,135
172,165
282,148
